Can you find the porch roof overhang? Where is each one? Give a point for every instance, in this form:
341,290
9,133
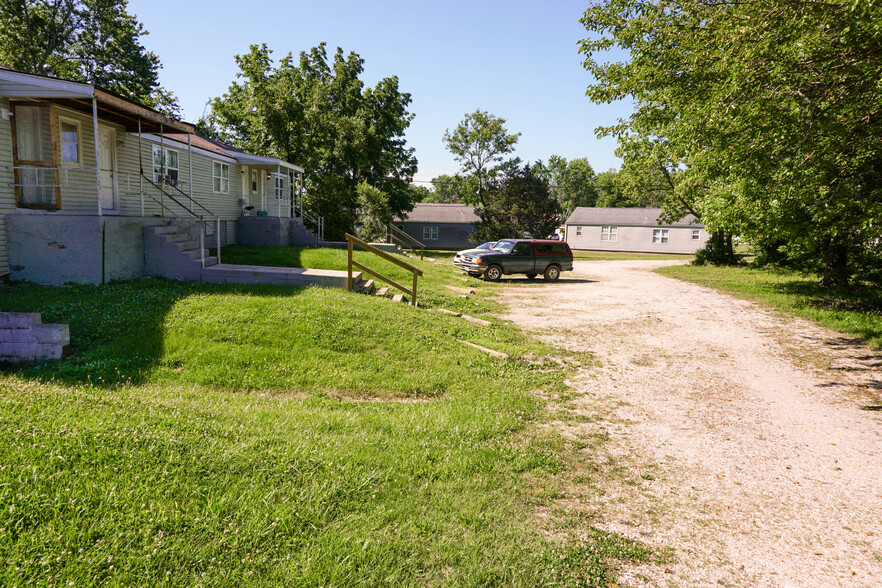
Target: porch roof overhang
248,159
78,96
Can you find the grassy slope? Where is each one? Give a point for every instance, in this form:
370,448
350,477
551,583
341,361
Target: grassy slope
214,435
857,311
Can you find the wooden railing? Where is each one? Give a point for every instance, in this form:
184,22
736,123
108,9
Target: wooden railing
416,272
403,240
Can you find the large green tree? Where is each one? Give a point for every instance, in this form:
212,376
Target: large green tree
770,110
517,201
571,182
455,188
95,41
316,112
479,143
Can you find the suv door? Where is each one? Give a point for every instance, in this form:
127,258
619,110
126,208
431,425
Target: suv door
521,260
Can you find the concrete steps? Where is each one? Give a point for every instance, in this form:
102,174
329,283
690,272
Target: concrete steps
227,273
169,252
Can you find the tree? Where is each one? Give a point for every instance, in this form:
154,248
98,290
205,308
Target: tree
570,182
517,201
479,141
374,214
95,41
769,109
456,188
316,112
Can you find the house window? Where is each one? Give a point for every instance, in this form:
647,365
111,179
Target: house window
221,177
279,185
165,168
659,235
609,233
255,182
578,231
696,234
70,142
430,233
36,174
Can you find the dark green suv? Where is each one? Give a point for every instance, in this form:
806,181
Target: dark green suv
519,256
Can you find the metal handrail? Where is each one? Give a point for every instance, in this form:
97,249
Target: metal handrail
319,223
217,230
392,229
416,272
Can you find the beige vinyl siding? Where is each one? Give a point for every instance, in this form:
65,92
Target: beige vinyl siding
636,239
7,192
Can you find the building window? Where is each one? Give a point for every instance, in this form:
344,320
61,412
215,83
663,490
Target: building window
430,233
255,182
70,142
578,231
221,177
165,168
609,233
696,234
659,235
35,170
279,185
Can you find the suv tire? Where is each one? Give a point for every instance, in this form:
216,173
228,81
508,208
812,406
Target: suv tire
493,273
552,273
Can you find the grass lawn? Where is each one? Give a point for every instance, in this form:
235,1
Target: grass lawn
223,435
856,311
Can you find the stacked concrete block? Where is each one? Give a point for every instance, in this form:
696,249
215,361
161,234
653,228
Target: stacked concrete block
25,339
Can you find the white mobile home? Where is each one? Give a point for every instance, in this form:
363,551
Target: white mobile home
633,229
83,172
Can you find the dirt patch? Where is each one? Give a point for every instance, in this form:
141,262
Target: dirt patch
744,440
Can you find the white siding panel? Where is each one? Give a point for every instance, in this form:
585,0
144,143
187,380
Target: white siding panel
636,239
7,192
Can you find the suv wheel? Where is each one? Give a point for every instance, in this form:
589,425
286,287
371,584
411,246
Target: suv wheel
493,273
552,273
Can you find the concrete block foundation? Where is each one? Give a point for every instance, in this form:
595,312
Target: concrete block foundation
24,339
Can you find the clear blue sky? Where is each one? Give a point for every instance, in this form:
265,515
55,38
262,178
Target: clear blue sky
516,59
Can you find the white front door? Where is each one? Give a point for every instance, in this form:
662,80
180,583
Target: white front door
107,168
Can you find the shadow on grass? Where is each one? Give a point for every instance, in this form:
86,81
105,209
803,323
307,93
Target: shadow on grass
859,298
116,330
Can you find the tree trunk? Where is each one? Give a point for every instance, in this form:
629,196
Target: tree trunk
835,272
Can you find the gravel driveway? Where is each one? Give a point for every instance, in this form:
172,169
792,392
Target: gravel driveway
757,429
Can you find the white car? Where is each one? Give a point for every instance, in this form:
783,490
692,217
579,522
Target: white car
479,249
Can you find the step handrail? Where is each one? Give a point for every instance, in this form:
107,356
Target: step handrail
192,213
415,271
394,233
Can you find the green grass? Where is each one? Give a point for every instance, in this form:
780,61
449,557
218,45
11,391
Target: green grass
855,311
265,436
585,255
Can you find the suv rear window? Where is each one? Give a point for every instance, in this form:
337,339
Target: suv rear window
551,248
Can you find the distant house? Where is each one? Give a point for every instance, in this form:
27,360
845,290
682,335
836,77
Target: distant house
633,229
89,181
440,226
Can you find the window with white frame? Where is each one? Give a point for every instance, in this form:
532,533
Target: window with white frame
578,231
430,233
609,233
696,234
70,142
659,235
35,169
255,182
221,176
165,165
279,185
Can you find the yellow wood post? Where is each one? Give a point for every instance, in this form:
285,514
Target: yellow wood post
349,264
413,296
